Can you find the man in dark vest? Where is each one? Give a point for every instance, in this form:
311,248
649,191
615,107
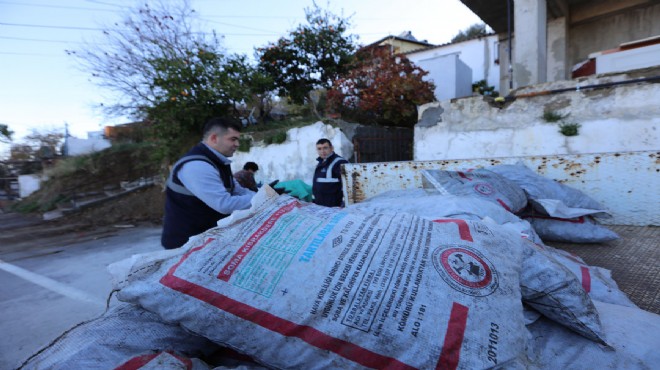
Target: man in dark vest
201,189
327,176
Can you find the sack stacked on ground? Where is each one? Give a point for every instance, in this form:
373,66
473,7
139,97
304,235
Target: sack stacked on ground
583,229
558,212
124,337
301,286
555,292
480,183
595,280
432,205
547,285
632,334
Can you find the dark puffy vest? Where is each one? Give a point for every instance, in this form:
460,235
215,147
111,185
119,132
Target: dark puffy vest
185,214
327,183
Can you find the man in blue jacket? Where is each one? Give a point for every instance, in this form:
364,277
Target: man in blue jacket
201,188
326,187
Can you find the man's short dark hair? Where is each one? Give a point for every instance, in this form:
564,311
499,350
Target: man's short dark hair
323,141
251,166
222,124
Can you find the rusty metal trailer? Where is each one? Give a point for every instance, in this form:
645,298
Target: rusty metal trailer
628,183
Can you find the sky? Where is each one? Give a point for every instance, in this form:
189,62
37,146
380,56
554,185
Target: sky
44,90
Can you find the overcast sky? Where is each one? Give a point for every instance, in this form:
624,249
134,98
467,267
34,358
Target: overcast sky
41,88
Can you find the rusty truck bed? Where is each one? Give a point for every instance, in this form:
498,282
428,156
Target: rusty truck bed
624,182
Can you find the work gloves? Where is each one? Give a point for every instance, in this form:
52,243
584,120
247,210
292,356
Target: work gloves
279,191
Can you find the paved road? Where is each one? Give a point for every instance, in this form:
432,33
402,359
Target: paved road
47,288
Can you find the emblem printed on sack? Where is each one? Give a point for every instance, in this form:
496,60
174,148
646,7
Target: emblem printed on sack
466,270
484,188
481,229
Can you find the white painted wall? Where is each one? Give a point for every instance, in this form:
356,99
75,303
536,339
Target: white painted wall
75,146
612,120
626,60
28,184
478,54
452,78
296,157
622,119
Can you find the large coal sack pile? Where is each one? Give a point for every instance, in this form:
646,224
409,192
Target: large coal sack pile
412,279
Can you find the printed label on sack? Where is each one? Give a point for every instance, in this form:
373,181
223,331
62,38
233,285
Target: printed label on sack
349,288
484,188
466,270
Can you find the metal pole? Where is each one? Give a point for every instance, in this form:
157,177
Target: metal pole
508,18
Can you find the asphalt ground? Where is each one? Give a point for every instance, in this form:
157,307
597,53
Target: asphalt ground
53,277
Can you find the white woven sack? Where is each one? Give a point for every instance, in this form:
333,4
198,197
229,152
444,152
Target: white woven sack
631,332
296,285
168,360
549,196
124,335
554,291
479,183
546,285
582,229
430,204
595,280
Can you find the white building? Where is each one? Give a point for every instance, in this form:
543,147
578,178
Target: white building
453,68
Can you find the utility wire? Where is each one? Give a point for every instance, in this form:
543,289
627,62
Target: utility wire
40,40
101,29
48,26
31,54
55,6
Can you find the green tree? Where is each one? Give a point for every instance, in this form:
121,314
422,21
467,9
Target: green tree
310,57
250,83
381,88
5,133
474,31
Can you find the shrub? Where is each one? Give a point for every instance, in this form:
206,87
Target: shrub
569,129
552,116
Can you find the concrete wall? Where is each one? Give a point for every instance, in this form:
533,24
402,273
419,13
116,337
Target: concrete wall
452,78
625,118
546,48
608,31
557,67
296,157
529,49
480,55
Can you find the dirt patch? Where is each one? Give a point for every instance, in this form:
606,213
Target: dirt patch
74,180
142,206
88,191
29,231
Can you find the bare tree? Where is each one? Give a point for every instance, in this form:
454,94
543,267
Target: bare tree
129,58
